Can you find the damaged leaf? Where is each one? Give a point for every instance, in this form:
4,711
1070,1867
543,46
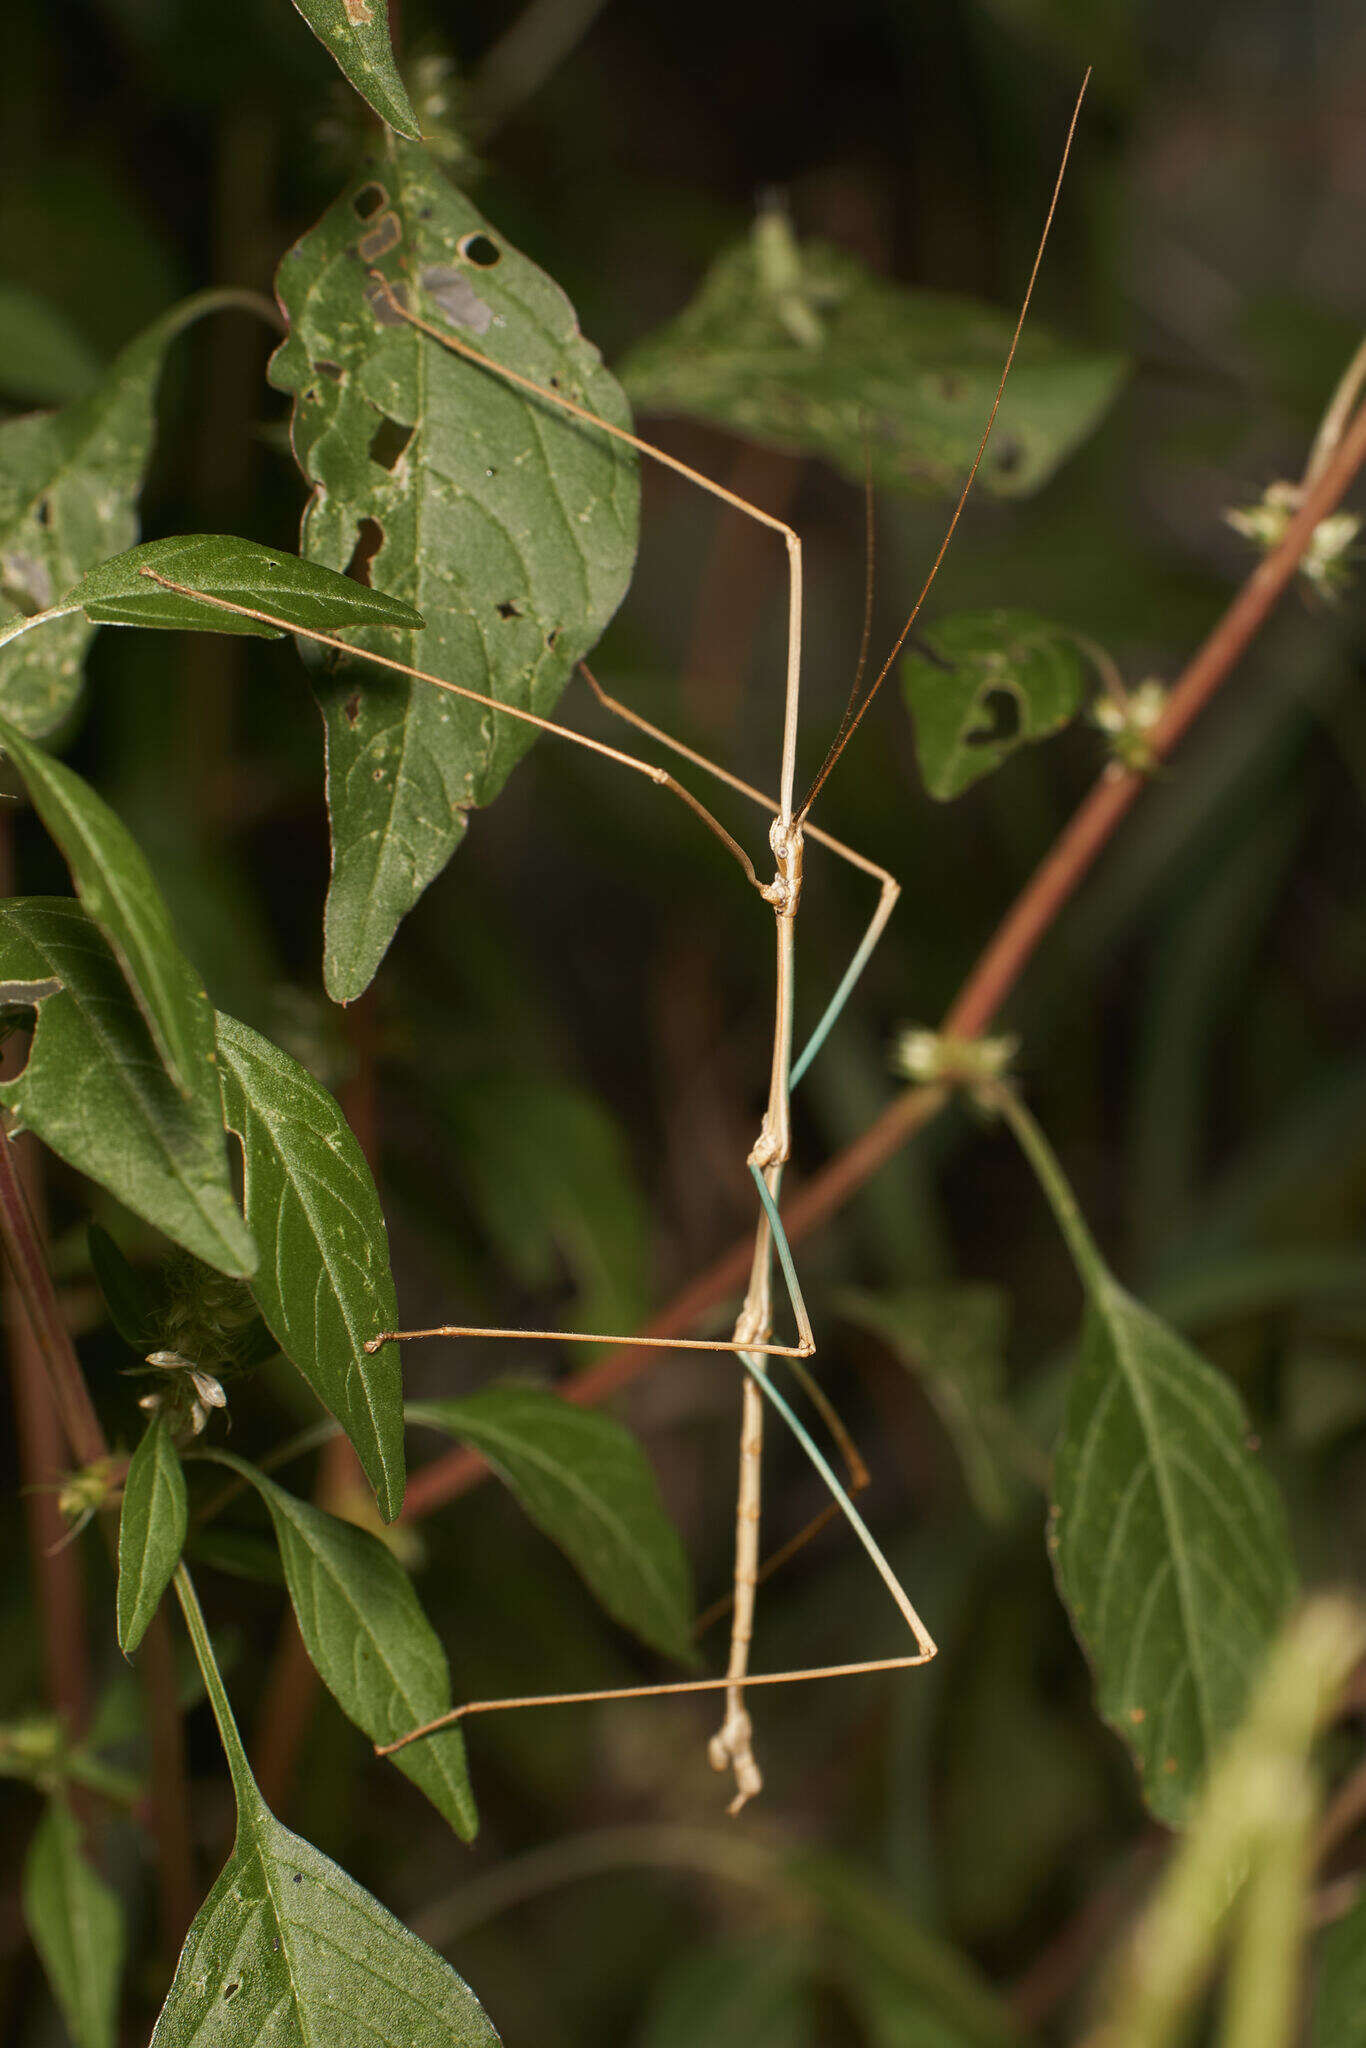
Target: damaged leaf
511,527
803,348
982,684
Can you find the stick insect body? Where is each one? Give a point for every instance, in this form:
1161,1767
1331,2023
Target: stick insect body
752,1340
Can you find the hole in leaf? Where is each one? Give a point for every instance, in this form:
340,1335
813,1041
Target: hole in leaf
369,200
508,610
998,719
480,250
552,636
369,541
230,1991
298,1877
388,443
1009,455
329,369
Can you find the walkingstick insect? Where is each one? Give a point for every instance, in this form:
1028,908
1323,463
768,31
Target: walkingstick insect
753,1341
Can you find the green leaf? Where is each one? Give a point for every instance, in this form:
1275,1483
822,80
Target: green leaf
357,34
96,1093
953,1340
76,1923
510,526
116,886
803,348
129,1300
970,668
750,1992
152,1527
44,360
1340,1983
288,1949
551,1180
1169,1542
323,1285
585,1481
69,483
370,1642
1168,1538
122,593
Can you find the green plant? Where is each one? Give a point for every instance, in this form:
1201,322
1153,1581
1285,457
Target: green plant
470,534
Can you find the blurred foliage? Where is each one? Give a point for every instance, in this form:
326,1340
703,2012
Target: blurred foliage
587,981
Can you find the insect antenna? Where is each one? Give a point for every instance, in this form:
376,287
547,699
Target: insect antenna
854,712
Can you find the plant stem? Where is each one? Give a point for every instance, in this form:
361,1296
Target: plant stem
56,1560
992,979
19,1235
168,1801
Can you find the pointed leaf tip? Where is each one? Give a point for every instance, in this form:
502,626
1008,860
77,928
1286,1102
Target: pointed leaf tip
130,590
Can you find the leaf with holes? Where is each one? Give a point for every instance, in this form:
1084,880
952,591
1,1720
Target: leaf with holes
510,526
76,1923
1168,1538
803,348
118,891
126,592
323,1285
585,1481
369,1641
357,34
152,1525
288,1949
963,669
69,483
94,1090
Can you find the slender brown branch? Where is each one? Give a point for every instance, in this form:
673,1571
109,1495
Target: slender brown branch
32,1282
991,980
58,1578
168,1803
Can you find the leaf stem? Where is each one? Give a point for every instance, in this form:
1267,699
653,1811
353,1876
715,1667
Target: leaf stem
243,1784
1006,1100
18,627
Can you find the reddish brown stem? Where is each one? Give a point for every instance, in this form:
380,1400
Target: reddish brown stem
23,1249
991,980
169,1804
58,1580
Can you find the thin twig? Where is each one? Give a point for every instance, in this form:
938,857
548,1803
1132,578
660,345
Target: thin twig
989,984
168,1802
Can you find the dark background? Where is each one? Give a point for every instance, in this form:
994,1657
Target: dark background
1191,1032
